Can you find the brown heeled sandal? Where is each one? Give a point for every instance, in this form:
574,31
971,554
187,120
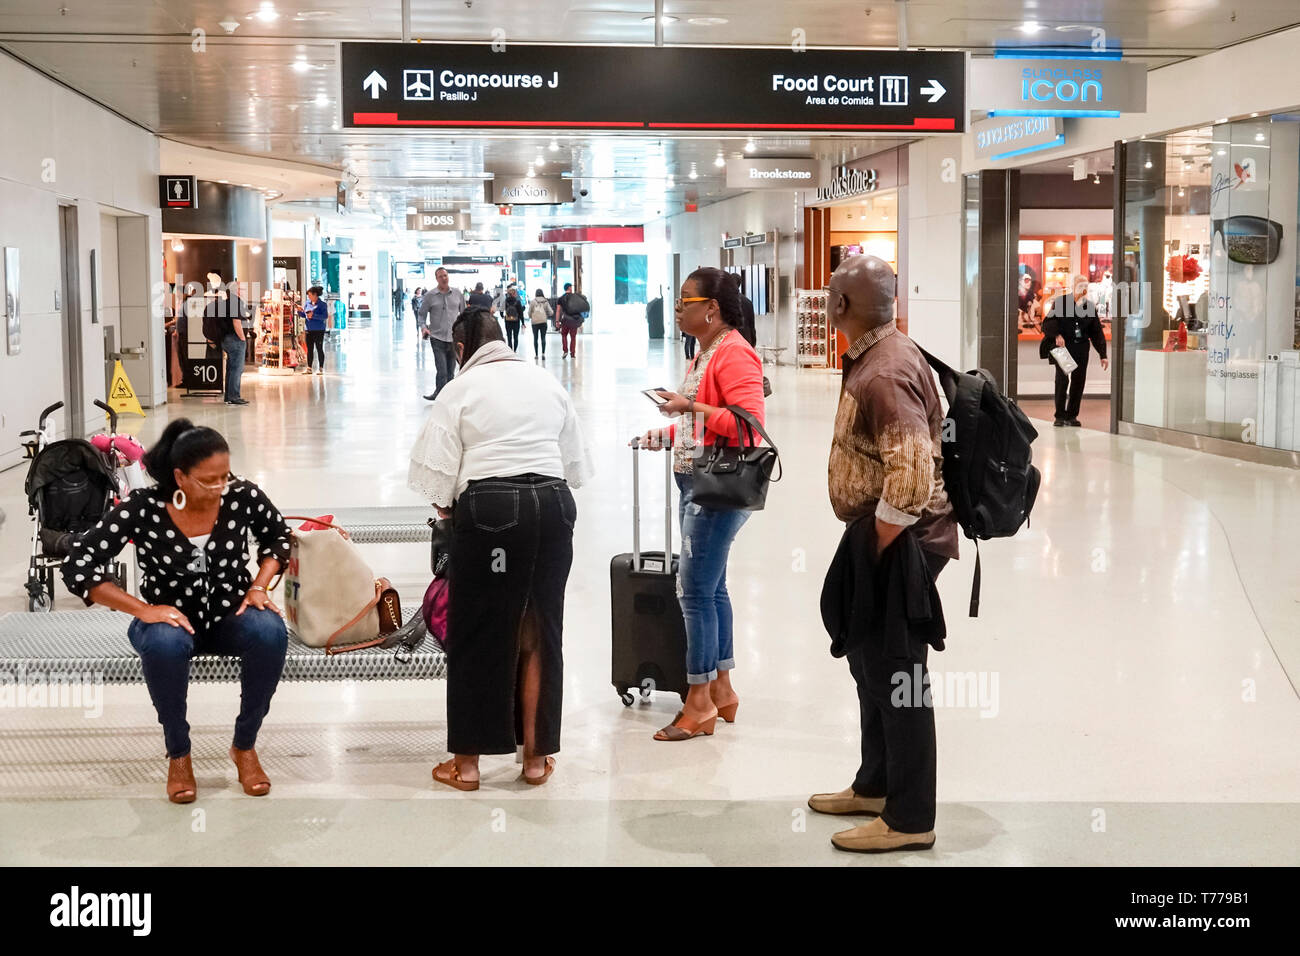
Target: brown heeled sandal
451,776
251,775
728,713
538,781
683,728
180,780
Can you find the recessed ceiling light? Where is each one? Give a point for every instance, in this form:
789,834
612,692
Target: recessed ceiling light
665,19
707,21
1222,119
693,173
1259,137
256,249
1180,191
322,100
750,146
1253,115
1030,26
720,161
1148,164
1096,179
178,246
1223,152
554,146
266,13
301,66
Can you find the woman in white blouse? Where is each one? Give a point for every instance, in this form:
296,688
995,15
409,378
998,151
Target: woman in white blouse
502,445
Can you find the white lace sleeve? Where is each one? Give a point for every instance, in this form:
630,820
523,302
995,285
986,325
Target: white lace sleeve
573,448
435,457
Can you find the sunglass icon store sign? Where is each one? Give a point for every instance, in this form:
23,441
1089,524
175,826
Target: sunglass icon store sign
428,85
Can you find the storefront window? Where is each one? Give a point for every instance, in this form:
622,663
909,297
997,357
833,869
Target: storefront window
1208,281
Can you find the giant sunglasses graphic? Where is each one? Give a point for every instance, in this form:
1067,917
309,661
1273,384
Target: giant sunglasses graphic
1250,240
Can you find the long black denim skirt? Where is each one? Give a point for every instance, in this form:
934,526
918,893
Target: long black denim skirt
511,550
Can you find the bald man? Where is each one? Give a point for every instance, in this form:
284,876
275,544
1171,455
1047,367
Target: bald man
885,482
1072,322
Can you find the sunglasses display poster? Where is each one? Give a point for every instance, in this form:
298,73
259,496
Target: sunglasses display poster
1255,176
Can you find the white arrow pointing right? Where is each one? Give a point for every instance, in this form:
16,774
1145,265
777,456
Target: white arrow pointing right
374,83
933,91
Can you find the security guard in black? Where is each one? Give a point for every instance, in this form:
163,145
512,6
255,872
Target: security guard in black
1072,322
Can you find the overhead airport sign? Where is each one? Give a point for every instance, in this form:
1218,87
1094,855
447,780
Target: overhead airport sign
1002,137
1063,87
450,221
746,173
178,192
528,190
431,85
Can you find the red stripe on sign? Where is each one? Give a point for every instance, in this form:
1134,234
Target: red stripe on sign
922,124
391,119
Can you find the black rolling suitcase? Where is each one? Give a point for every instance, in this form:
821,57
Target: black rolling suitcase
649,633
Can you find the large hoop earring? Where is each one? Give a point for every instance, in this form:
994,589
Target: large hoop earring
178,500
708,320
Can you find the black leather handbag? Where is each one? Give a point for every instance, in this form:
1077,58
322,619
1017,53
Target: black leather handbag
727,478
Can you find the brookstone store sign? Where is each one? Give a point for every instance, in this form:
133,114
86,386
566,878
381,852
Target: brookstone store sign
849,182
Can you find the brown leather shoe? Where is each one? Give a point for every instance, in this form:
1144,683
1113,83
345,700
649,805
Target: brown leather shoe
251,775
846,802
180,780
877,837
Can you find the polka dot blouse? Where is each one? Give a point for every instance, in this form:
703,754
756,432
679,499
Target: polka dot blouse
205,584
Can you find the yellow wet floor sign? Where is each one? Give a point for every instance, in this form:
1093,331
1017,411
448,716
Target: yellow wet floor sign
121,396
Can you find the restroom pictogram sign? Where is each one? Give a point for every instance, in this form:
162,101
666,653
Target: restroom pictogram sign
178,192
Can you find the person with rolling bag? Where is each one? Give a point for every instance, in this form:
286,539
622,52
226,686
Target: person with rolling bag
722,473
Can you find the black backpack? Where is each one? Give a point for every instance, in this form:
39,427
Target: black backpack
987,459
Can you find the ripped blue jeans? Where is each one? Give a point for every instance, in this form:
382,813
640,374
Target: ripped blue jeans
702,584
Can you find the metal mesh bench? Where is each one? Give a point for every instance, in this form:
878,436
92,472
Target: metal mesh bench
94,641
402,525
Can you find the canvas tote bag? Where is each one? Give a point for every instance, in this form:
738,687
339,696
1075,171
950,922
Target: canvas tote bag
332,599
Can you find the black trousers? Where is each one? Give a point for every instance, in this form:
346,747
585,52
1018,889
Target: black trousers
898,744
316,345
539,339
512,333
511,550
689,341
1069,389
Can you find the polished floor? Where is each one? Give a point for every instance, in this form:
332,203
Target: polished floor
1131,679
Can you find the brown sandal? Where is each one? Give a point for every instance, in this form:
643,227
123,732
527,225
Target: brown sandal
251,775
180,780
683,728
546,775
451,776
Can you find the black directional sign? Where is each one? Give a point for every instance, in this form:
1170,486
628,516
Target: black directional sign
432,86
178,192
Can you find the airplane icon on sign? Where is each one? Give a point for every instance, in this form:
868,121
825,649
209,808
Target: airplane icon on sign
418,84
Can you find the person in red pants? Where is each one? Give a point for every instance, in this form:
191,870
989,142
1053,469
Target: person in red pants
570,316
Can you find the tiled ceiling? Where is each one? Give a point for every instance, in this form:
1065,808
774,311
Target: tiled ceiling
269,88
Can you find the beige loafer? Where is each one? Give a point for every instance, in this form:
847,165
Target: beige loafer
846,802
877,837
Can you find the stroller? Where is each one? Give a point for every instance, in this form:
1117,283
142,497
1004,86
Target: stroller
70,485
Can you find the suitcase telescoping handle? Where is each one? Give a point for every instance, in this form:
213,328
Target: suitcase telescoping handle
636,508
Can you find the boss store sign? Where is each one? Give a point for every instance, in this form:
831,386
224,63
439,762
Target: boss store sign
528,190
450,221
774,173
429,85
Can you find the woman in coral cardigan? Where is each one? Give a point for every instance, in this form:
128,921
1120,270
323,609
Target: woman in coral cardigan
725,371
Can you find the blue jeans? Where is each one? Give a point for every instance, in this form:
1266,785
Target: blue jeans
702,584
257,638
234,348
444,360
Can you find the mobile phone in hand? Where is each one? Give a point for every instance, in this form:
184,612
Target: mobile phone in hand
654,396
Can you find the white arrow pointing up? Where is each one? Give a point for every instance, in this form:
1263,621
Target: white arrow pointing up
374,83
933,91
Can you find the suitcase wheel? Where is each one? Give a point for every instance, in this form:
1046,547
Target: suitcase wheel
627,698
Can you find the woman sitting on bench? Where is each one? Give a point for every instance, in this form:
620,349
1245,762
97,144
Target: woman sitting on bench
191,538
